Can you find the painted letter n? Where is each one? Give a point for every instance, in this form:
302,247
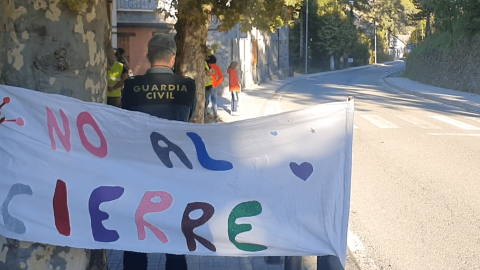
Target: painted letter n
52,124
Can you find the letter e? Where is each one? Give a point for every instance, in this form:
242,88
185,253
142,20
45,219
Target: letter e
98,196
245,209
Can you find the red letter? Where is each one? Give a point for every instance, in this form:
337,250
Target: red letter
147,206
85,118
53,125
60,208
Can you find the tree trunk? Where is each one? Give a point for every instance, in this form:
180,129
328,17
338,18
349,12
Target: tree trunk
191,39
429,27
47,47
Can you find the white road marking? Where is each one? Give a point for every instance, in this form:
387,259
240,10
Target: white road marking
358,250
454,122
417,122
379,121
473,118
454,134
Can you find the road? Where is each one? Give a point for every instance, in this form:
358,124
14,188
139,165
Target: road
416,175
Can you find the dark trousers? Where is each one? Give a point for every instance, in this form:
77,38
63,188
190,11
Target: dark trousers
114,101
139,261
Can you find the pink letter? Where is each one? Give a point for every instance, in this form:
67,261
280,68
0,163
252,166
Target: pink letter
148,206
53,125
85,118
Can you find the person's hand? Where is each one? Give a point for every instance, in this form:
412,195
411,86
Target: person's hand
210,72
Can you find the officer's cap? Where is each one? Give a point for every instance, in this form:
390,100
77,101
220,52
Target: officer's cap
162,41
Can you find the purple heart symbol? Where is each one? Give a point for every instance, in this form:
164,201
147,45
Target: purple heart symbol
302,171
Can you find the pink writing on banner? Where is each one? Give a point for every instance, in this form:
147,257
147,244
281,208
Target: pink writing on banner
148,206
52,124
84,118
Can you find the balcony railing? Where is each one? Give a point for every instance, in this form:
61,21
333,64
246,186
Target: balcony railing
139,4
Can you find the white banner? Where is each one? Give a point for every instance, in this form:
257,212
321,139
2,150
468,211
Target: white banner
94,176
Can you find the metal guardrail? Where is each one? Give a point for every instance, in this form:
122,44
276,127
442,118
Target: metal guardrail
394,72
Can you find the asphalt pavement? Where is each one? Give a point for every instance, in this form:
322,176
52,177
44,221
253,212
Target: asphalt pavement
254,103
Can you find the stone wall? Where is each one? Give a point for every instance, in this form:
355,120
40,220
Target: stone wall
454,67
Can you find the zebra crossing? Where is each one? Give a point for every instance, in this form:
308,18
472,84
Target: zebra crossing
428,122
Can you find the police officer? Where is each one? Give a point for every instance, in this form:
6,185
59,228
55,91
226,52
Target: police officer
163,94
160,92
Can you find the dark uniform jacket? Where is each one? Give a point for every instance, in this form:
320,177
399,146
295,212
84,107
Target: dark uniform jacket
162,94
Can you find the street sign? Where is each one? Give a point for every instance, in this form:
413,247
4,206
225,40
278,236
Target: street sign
350,60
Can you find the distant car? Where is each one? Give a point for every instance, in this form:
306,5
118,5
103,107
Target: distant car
410,47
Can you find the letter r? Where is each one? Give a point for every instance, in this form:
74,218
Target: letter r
148,206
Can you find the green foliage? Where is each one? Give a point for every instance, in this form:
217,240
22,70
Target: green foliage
212,50
337,33
75,5
331,32
265,15
470,18
452,16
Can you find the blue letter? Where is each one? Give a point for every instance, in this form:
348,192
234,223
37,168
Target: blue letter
98,196
11,223
205,160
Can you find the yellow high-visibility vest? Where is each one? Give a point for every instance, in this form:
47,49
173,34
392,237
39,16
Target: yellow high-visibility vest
208,79
114,76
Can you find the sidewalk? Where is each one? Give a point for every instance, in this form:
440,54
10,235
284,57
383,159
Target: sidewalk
468,101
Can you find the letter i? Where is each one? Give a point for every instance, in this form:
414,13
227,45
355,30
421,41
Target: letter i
60,208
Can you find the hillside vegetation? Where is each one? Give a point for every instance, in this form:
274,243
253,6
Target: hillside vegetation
450,57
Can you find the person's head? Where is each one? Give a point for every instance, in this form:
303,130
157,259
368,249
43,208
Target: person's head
162,50
111,57
234,65
211,59
120,52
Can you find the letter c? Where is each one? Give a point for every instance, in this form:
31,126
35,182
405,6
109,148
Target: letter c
13,224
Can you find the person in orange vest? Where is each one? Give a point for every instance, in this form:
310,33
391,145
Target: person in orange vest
234,86
217,79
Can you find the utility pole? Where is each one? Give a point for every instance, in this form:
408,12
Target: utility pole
375,30
306,41
301,37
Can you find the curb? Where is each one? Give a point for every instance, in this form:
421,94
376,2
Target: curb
473,107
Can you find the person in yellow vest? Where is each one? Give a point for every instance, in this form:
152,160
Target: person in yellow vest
208,84
115,79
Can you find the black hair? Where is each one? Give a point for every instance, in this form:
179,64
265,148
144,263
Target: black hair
119,51
212,59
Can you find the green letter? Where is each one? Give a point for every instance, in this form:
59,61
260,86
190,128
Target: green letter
245,209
